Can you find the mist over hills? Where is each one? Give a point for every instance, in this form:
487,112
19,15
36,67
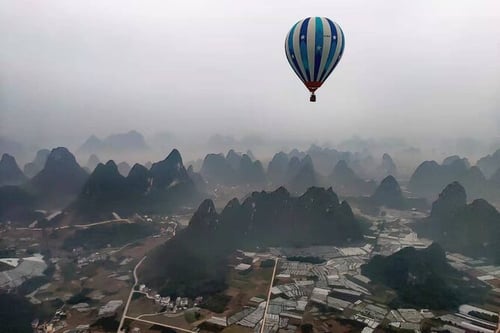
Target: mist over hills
194,262
430,177
163,188
34,167
129,142
92,162
63,184
232,169
387,194
347,182
490,164
351,173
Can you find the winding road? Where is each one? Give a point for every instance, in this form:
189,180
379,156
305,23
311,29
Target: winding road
125,310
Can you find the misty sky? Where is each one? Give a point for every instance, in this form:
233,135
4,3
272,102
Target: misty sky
410,68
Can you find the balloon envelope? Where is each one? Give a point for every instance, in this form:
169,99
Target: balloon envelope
314,47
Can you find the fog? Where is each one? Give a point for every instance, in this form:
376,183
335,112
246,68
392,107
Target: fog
418,70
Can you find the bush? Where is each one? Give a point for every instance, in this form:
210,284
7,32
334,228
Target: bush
216,303
267,263
308,259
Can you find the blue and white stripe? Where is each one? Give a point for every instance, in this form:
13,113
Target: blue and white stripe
314,47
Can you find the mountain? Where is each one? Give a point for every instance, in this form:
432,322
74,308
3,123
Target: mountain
251,172
32,168
304,177
495,179
131,141
490,163
423,279
389,194
123,168
429,178
92,162
453,158
164,188
198,180
216,170
293,168
387,167
92,145
234,169
10,174
277,168
346,182
324,158
472,229
169,172
60,180
105,191
195,261
251,155
450,200
233,159
16,204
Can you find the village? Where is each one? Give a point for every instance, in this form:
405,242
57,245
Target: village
278,290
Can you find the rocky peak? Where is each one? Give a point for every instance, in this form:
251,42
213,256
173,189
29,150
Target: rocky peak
277,168
205,217
389,192
32,168
92,162
450,200
341,171
10,174
61,179
169,170
234,159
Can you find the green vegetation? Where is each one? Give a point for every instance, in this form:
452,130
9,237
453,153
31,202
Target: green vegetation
306,328
216,303
423,278
308,259
81,297
195,262
17,321
7,252
472,229
68,271
108,324
484,316
32,284
136,296
113,234
192,315
267,263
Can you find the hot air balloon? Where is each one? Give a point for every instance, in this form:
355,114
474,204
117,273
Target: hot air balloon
313,48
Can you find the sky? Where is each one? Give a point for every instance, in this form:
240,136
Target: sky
69,69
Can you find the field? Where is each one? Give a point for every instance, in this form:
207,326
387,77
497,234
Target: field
245,285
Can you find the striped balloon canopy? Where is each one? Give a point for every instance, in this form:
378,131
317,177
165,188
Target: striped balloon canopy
313,48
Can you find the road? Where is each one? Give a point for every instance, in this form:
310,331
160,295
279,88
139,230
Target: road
269,296
159,324
130,295
81,226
